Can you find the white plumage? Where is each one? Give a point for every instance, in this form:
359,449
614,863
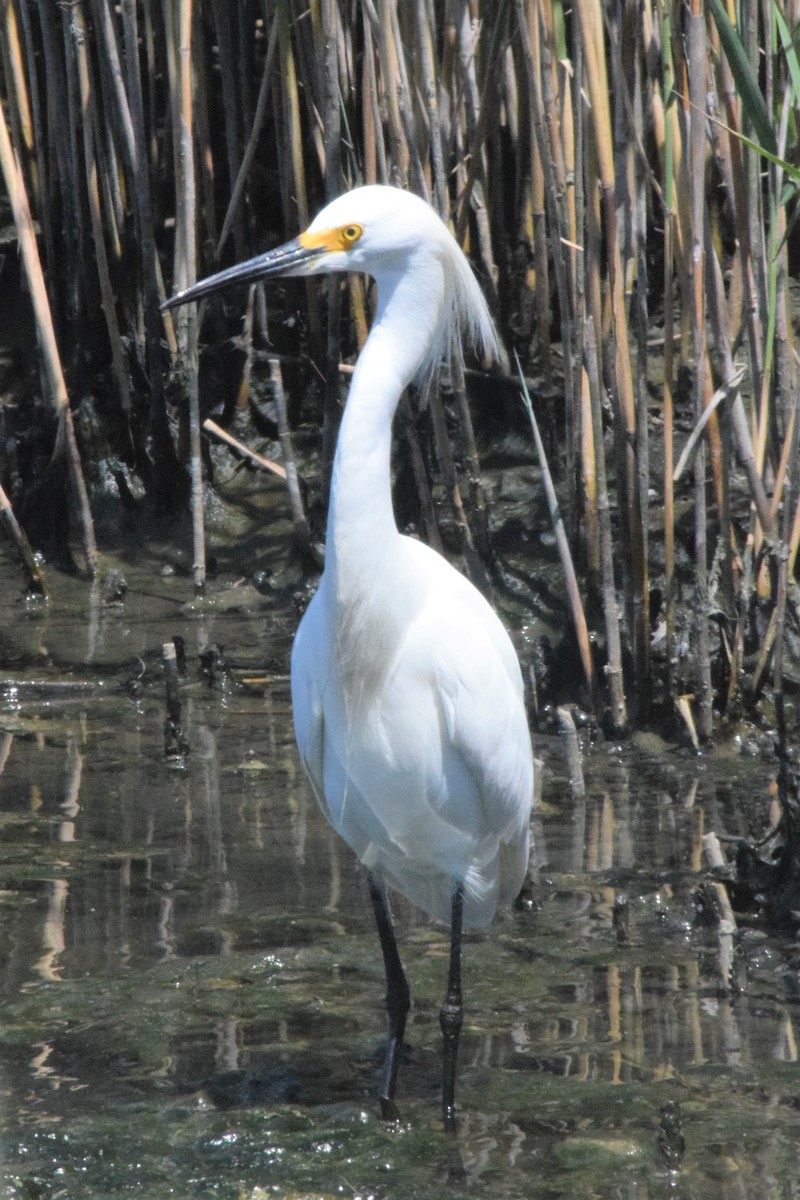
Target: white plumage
408,713
406,689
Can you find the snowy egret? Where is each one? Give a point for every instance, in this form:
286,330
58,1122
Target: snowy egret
406,689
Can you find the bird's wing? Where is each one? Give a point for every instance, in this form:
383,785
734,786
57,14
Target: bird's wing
484,714
457,647
308,653
458,654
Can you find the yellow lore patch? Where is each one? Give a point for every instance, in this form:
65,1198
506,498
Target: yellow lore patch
342,238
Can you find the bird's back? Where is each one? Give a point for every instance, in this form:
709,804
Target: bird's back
410,720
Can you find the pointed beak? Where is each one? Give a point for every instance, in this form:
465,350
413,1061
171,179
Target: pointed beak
289,259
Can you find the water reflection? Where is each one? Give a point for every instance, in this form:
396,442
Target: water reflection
191,940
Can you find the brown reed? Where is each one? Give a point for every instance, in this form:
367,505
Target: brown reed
591,159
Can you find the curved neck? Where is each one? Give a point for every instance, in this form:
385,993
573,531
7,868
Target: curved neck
361,524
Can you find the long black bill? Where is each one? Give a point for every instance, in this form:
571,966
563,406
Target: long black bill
283,260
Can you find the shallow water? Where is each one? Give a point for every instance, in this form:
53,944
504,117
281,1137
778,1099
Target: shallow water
191,1001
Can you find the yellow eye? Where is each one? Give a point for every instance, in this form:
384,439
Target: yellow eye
350,235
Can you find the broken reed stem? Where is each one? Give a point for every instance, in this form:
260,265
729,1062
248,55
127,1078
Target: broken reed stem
34,572
175,743
572,752
257,459
173,696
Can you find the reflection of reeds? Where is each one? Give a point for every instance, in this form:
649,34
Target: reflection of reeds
589,160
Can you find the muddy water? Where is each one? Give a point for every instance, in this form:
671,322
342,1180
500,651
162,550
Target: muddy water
191,989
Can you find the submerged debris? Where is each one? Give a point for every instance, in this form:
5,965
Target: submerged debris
671,1142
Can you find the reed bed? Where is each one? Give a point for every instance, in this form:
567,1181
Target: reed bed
603,165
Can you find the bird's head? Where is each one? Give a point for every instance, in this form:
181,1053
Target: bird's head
384,232
375,229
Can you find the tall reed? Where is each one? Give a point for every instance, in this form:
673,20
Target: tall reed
599,162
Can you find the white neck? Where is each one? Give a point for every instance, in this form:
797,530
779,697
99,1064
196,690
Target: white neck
361,524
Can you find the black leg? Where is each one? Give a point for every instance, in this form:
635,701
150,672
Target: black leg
398,998
451,1016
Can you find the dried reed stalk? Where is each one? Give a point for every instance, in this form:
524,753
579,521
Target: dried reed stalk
89,122
186,220
165,480
573,590
668,168
614,673
332,126
619,365
697,156
65,441
33,568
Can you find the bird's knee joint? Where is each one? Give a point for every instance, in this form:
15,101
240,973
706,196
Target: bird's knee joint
451,1018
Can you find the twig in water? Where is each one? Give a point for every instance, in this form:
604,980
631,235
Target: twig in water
572,751
175,744
36,580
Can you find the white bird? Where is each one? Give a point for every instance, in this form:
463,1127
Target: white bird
406,689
